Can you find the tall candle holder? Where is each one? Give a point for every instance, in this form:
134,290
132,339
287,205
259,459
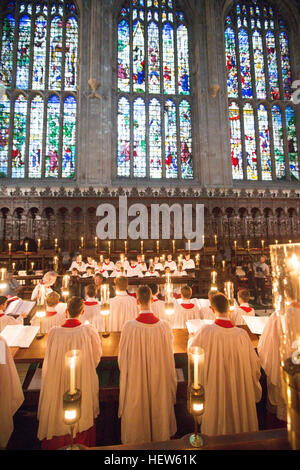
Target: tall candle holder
285,260
109,247
105,308
196,394
173,246
65,287
169,303
3,283
157,247
72,397
229,292
142,247
41,313
197,260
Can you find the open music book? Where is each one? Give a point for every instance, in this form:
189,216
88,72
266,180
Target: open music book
255,324
19,336
19,306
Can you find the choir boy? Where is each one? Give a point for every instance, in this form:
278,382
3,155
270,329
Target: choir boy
98,281
206,309
243,308
134,269
157,264
52,431
231,374
152,272
11,393
147,376
123,307
91,263
78,264
91,312
74,283
89,272
170,263
108,265
55,313
188,262
184,308
117,271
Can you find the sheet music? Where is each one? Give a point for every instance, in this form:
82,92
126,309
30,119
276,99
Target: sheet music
180,376
12,306
255,324
19,306
194,325
19,335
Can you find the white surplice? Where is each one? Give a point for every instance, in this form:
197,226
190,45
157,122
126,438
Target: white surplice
11,394
9,320
37,291
55,380
239,310
231,380
147,382
184,310
268,349
54,320
123,307
158,307
92,314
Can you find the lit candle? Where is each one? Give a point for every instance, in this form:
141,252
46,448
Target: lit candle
55,260
276,241
142,246
213,277
101,259
72,374
223,264
143,258
65,282
14,266
248,244
26,246
197,259
203,239
82,242
173,243
109,243
198,358
55,243
96,242
213,260
3,272
9,248
216,240
32,266
39,243
235,245
263,244
125,246
189,245
157,246
290,241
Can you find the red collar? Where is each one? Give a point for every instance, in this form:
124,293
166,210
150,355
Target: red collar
295,305
50,314
211,308
107,264
148,318
132,294
177,296
224,323
71,323
246,309
133,267
2,315
154,300
90,303
187,306
42,283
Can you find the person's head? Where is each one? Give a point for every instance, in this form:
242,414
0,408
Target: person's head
220,304
154,289
169,257
211,293
262,259
78,259
186,292
98,279
52,299
243,296
121,283
90,259
144,297
3,302
75,272
156,259
139,258
50,278
167,270
187,256
118,264
132,261
75,307
107,259
151,269
89,271
90,290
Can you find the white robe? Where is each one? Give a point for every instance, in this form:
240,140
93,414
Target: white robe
188,264
135,270
154,274
158,308
170,264
147,382
80,267
182,314
55,380
11,394
109,267
92,314
268,349
231,380
206,311
49,321
236,314
9,320
36,291
123,307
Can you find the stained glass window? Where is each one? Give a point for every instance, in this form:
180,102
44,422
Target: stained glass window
38,54
154,111
263,133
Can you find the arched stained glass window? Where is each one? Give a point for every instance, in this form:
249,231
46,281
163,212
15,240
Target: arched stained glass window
153,80
262,117
38,67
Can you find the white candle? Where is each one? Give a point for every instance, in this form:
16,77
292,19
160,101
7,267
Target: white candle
96,242
196,366
9,248
142,246
72,374
66,281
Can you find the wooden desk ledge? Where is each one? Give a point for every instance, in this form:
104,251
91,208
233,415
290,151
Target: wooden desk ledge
274,439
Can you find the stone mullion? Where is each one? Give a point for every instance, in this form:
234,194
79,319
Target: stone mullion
242,126
15,50
31,57
272,143
178,100
62,98
279,65
147,98
162,97
239,100
285,144
258,154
